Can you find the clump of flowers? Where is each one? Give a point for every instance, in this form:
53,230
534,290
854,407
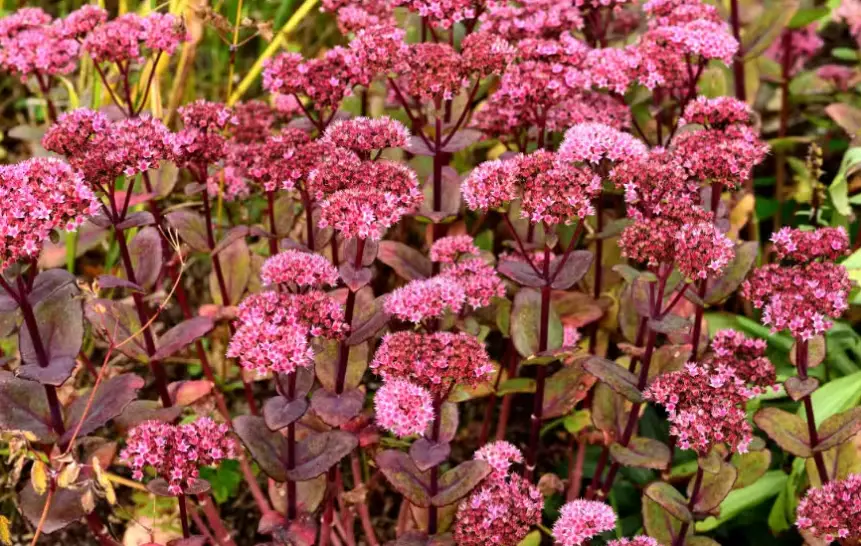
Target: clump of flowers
530,19
326,80
477,279
833,511
127,37
201,142
176,453
447,250
705,406
795,47
425,299
718,112
445,13
594,143
435,361
702,250
580,520
364,135
403,408
40,195
504,507
33,44
641,540
298,269
500,455
745,357
273,329
803,295
432,72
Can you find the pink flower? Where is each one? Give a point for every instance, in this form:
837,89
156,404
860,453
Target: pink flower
39,196
230,182
841,77
176,453
594,143
201,142
658,185
530,18
641,540
800,246
560,195
364,135
500,512
485,53
447,250
717,112
724,156
588,107
34,44
702,250
354,16
403,408
800,298
500,456
252,122
699,38
273,329
425,299
445,13
83,20
804,42
570,336
479,281
611,68
833,512
705,406
282,160
325,80
489,186
580,520
432,72
124,38
437,361
745,357
298,269
378,50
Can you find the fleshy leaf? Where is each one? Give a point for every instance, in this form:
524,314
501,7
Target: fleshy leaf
574,269
66,508
326,365
267,448
714,489
320,452
520,272
426,453
408,263
403,474
182,335
641,453
110,400
278,412
147,256
23,406
797,388
564,390
615,376
191,228
670,499
838,428
787,429
337,409
235,261
460,481
526,323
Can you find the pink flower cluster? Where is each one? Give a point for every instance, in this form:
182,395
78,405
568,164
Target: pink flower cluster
594,143
530,18
281,160
298,270
433,72
841,77
32,43
176,453
445,13
449,249
477,279
437,361
39,195
833,511
355,16
551,189
103,151
500,455
705,406
326,80
580,520
125,38
724,156
273,329
795,245
803,295
403,408
364,135
201,142
745,357
795,47
425,299
503,509
485,53
641,540
702,250
718,112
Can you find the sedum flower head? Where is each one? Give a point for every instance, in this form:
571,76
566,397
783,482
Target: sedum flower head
403,408
176,452
127,37
594,143
432,72
745,357
477,279
833,512
424,299
449,249
530,18
799,246
724,156
500,455
298,269
364,135
500,512
641,540
718,112
40,195
702,250
32,43
580,520
705,406
437,361
444,13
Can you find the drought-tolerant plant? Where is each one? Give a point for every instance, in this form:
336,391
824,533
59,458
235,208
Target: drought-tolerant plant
466,272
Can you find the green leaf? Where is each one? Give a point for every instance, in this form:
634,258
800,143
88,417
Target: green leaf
224,479
767,27
751,466
525,323
564,389
459,481
839,188
714,489
641,453
516,385
836,396
804,17
658,522
838,428
746,498
532,539
577,421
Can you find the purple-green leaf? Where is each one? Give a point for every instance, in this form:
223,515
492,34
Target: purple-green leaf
426,453
408,263
615,376
797,388
326,365
787,429
268,448
110,400
191,228
66,508
838,428
278,412
320,452
182,335
564,389
670,500
337,409
714,488
403,474
147,256
23,406
526,323
109,281
460,481
572,271
235,260
641,453
520,272
734,274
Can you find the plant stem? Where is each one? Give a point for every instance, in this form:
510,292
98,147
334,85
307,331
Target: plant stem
802,358
702,288
541,373
738,61
783,126
291,452
599,266
679,540
270,209
433,515
183,516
